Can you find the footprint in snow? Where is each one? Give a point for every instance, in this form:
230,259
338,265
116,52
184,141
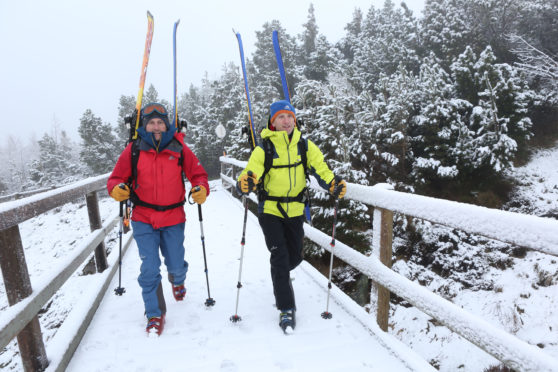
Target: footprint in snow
228,366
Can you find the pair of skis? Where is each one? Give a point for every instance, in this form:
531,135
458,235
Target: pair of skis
147,51
250,129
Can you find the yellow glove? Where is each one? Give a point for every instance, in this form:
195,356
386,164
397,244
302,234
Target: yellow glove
248,182
339,186
199,194
120,192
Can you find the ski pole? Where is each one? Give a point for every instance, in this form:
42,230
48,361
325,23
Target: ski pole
209,301
119,291
326,314
235,318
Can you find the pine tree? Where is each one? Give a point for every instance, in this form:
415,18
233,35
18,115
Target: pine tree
446,28
388,39
267,87
314,53
348,44
126,107
100,148
54,166
498,121
437,133
223,106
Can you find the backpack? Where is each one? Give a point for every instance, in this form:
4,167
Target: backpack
269,150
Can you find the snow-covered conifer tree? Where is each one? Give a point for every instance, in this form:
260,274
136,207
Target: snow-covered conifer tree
99,148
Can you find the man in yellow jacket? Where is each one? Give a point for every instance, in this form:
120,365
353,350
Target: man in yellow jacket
281,198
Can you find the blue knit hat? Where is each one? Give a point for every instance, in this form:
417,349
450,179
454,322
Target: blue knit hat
155,110
280,107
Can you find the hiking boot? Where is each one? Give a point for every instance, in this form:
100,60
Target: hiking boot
155,325
178,291
287,320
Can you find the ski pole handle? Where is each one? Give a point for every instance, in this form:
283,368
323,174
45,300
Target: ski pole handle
338,187
200,213
250,181
197,188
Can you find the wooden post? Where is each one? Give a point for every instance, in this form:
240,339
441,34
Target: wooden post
382,248
95,223
18,287
386,239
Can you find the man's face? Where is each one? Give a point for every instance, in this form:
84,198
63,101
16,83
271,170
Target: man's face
284,122
156,126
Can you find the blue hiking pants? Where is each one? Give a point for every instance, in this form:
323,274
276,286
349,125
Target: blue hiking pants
170,240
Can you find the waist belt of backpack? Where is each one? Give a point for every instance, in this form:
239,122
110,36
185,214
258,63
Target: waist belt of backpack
160,208
301,198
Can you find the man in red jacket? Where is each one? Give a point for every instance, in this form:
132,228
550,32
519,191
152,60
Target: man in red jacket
150,172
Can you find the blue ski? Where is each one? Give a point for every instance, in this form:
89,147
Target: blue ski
252,136
286,94
175,118
280,65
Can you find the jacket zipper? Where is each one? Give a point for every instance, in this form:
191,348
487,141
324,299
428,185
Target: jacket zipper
289,169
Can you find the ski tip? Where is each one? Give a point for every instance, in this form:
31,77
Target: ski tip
149,15
177,22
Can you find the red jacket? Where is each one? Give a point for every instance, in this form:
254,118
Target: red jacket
159,180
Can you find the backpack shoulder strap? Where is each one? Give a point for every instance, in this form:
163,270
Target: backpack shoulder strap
135,157
269,149
303,150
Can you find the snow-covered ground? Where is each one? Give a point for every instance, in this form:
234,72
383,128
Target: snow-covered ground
198,338
537,190
521,299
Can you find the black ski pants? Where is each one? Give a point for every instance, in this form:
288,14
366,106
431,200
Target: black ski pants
283,237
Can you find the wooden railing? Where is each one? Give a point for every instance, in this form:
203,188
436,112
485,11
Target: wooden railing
531,232
20,319
25,194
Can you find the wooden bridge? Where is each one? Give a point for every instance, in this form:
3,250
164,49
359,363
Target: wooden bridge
77,346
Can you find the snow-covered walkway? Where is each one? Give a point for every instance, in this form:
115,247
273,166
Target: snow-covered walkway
197,338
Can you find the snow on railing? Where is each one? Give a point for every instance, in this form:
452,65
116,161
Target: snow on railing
528,231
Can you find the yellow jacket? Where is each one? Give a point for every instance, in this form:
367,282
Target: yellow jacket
287,181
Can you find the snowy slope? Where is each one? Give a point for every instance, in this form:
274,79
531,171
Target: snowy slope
521,299
537,192
199,338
